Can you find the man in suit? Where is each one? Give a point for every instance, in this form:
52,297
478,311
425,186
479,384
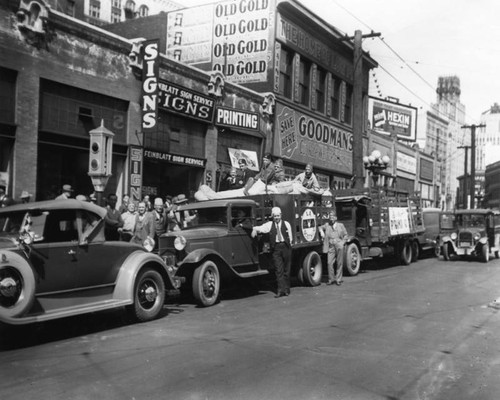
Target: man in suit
281,239
334,237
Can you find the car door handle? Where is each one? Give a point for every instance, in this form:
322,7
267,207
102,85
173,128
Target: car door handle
71,252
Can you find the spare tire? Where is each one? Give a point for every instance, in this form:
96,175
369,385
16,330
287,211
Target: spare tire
17,285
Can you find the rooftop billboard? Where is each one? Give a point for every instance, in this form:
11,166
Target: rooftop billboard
389,118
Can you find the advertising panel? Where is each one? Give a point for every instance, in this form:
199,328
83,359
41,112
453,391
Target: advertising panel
236,118
389,118
426,169
406,163
135,169
231,36
185,101
305,139
399,220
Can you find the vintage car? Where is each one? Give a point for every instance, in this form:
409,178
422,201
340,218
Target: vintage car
429,238
55,263
470,232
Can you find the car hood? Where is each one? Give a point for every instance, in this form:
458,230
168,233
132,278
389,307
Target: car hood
195,233
9,241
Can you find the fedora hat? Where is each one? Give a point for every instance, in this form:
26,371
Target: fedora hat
25,195
67,188
181,199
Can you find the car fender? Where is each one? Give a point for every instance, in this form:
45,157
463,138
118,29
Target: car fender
124,289
483,240
196,256
448,239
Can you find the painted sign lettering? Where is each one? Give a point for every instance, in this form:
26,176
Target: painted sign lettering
150,85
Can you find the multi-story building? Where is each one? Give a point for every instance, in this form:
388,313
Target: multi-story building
61,78
102,12
433,133
449,108
277,47
488,138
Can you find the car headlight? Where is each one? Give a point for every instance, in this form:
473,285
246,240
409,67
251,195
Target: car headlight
454,236
477,236
149,244
180,243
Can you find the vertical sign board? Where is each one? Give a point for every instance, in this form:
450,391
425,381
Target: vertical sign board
232,36
136,157
150,67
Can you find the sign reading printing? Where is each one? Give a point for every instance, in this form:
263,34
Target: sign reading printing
185,101
399,221
236,118
305,139
308,224
393,118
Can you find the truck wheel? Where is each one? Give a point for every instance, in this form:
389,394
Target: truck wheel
437,250
485,253
17,288
149,295
497,254
352,260
406,253
446,252
206,284
312,269
300,276
415,251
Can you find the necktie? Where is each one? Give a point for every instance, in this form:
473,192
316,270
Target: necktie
280,236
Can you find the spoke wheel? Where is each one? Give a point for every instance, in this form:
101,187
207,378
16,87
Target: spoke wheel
352,259
206,284
149,295
312,269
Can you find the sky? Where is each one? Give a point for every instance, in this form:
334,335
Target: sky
421,41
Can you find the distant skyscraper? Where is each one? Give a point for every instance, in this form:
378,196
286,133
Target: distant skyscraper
488,138
448,106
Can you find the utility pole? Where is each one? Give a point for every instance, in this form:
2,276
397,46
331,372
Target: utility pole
464,191
358,118
473,160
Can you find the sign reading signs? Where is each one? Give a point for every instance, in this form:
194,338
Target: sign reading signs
236,119
135,168
184,101
175,158
229,36
389,118
150,67
305,139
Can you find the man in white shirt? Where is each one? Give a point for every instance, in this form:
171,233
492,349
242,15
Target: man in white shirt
281,239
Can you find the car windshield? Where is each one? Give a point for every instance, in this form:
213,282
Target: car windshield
206,216
471,220
448,221
13,223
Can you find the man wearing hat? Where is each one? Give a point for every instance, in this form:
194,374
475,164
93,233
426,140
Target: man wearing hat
280,240
266,173
4,199
25,197
181,222
67,192
245,173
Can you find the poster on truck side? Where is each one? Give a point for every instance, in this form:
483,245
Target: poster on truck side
399,221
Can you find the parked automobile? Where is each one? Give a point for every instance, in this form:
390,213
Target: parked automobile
55,262
429,239
471,232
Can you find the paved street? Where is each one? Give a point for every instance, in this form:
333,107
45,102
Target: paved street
419,332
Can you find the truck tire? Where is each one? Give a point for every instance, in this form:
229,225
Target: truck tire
485,253
206,284
446,252
415,251
352,259
149,295
406,253
312,269
437,249
17,288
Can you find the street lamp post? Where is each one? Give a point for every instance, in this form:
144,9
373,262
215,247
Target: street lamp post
376,163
